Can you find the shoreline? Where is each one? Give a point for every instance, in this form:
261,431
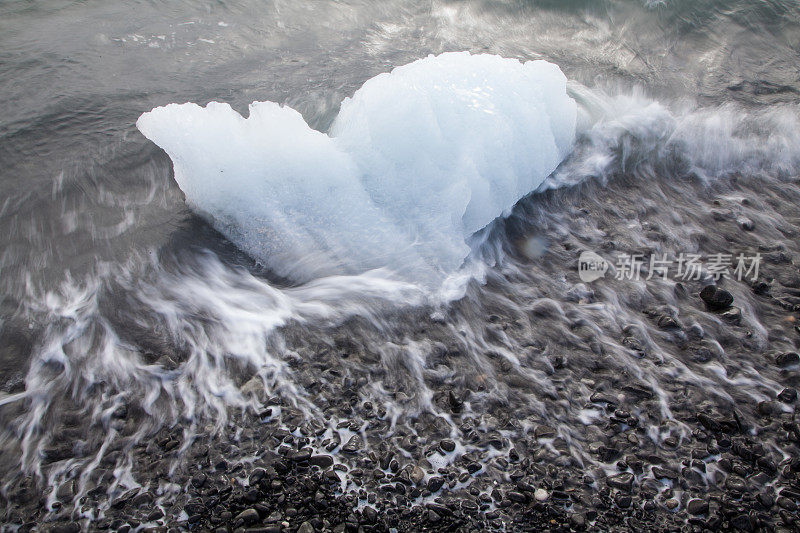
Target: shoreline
473,456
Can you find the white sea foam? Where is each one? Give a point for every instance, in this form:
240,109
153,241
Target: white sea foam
620,130
417,160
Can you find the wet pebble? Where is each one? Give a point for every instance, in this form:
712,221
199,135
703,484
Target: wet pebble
786,503
247,517
623,500
697,506
787,359
735,483
322,461
623,481
306,527
447,445
746,224
517,497
417,475
352,446
672,504
788,395
435,483
716,299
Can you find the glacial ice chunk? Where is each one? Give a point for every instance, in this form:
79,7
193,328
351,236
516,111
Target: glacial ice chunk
416,161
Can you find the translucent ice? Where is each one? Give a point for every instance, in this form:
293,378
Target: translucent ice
416,161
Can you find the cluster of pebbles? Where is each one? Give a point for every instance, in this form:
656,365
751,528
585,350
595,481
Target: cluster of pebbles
279,473
680,415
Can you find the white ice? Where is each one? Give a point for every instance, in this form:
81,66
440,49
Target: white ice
417,160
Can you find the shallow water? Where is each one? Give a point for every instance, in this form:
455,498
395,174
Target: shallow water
124,310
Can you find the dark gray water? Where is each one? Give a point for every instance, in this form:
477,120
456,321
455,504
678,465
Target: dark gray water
115,294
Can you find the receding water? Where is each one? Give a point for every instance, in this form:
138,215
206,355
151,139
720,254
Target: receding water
132,333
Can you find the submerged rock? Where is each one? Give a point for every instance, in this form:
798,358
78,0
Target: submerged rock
788,395
787,359
716,299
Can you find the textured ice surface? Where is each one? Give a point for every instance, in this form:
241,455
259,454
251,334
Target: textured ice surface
416,161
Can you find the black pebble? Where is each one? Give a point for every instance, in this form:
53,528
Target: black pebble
787,359
716,299
788,395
